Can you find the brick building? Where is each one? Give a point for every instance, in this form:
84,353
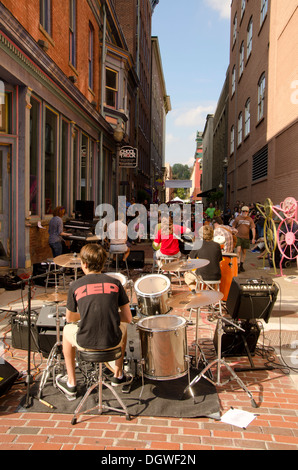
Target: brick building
70,77
263,109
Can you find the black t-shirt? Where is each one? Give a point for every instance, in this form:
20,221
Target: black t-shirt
211,251
97,298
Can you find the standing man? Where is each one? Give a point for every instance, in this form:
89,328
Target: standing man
97,312
243,223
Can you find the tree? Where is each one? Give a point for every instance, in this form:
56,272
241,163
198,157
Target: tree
180,172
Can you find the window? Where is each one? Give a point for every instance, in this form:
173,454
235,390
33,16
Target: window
241,60
111,87
45,15
65,173
243,5
34,154
240,130
235,29
51,148
261,96
247,118
232,140
72,32
233,80
264,9
90,55
249,39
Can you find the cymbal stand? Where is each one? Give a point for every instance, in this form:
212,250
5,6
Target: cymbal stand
221,362
54,362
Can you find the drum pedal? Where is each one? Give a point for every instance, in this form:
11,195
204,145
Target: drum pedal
126,388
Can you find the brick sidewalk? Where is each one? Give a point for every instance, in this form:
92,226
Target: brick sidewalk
274,428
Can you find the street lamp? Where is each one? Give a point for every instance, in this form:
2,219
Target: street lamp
118,137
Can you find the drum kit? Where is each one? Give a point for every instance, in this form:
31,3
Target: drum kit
157,346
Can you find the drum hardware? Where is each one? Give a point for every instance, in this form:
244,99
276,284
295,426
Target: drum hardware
221,362
54,361
69,260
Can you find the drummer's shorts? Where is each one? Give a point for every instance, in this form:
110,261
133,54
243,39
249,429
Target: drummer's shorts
70,334
243,242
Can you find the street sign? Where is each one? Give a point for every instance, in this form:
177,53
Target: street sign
128,157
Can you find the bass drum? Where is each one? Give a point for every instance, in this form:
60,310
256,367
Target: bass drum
152,292
229,270
164,347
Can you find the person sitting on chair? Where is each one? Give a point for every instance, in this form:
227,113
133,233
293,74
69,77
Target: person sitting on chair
97,312
167,237
209,250
118,236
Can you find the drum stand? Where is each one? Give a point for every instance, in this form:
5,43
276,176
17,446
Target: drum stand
221,362
54,363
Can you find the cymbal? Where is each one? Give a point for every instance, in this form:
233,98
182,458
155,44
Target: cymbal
54,297
69,260
194,299
187,265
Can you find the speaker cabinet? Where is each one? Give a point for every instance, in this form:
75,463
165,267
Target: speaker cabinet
233,339
8,375
251,298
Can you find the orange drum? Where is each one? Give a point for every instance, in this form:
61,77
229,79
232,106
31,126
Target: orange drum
229,269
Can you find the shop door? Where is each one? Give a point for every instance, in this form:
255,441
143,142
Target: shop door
4,205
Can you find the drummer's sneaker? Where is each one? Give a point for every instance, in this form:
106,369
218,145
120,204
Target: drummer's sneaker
126,379
68,390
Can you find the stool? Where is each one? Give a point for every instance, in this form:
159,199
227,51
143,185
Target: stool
118,253
213,285
168,259
50,263
100,357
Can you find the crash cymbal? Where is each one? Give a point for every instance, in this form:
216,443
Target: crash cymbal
69,260
194,299
191,264
180,300
185,265
173,266
54,297
204,298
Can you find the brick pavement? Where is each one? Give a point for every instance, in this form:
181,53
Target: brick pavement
274,428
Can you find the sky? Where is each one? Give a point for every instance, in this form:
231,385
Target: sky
194,41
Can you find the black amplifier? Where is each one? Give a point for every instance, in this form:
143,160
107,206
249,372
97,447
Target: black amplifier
233,344
251,298
19,332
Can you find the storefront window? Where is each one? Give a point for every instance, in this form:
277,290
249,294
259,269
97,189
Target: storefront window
51,137
34,154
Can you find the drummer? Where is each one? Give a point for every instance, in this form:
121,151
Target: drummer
97,312
166,239
209,250
225,231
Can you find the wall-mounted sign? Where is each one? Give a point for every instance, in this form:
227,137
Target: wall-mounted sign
128,157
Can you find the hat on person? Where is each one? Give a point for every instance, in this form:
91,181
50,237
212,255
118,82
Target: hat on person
245,208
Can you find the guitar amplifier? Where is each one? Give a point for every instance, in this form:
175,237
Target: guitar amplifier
233,339
251,298
136,259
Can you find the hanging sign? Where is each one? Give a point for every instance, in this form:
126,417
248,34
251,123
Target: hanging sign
128,157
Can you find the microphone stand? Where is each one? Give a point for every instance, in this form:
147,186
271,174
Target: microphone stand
29,378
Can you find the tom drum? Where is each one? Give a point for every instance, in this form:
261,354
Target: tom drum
152,292
163,347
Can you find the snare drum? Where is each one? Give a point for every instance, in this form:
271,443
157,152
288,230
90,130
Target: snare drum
163,346
229,269
152,293
119,276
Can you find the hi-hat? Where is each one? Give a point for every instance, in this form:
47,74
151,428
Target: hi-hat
69,260
187,265
194,299
54,297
